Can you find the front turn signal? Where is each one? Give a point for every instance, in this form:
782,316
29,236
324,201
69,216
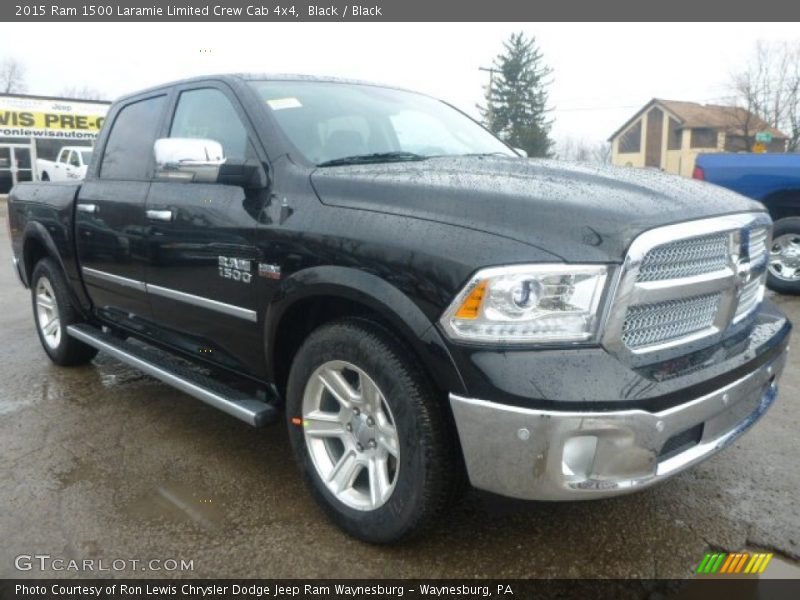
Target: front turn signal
471,306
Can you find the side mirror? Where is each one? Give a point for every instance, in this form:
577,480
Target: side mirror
188,159
521,152
248,174
203,161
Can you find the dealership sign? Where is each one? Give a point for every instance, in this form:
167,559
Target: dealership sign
50,118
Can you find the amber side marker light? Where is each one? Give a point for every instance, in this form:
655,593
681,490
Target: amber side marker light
471,306
297,421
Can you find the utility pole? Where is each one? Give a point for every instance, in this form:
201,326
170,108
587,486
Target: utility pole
491,71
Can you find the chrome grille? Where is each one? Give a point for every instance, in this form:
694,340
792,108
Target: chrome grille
648,324
758,244
684,286
686,258
751,296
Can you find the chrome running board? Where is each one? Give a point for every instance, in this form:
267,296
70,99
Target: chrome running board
212,392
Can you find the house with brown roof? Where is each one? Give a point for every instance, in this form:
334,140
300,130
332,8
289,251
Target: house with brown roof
668,135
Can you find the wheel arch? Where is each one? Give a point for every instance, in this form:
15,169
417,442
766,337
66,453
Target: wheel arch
37,243
783,203
312,297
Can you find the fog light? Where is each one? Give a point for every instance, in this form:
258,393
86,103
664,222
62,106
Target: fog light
578,455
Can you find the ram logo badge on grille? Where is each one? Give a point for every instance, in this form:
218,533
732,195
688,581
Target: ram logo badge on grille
743,272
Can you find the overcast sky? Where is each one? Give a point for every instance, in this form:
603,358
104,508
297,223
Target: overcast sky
602,72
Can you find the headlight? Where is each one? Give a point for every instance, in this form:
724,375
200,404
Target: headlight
528,304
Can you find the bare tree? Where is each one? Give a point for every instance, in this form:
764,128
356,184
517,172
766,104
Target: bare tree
769,86
12,76
582,151
601,153
82,92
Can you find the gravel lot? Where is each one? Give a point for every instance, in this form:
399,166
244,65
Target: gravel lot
103,462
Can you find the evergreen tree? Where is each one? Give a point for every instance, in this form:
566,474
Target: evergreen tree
516,99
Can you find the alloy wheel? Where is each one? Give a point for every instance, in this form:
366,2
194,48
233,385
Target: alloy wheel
351,435
47,313
784,257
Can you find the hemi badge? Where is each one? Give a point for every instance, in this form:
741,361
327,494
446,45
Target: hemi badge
269,271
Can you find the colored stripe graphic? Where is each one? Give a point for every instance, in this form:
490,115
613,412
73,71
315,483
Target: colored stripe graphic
702,566
718,562
741,562
753,562
734,563
767,558
726,565
712,559
737,558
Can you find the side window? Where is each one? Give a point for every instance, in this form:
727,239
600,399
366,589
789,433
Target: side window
130,144
208,114
62,156
74,160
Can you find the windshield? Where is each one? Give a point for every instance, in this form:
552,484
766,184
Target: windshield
332,122
86,156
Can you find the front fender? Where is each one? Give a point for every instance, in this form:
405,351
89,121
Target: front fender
375,293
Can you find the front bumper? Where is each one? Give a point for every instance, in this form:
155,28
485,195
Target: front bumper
573,455
16,266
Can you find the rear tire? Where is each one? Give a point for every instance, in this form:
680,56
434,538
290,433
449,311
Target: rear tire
784,257
369,432
53,311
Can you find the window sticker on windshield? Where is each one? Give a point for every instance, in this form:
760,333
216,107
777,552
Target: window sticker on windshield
281,103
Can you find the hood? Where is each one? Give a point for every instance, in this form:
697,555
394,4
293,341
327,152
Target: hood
577,212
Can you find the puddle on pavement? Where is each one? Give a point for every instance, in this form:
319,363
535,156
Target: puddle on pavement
113,373
19,393
182,503
78,473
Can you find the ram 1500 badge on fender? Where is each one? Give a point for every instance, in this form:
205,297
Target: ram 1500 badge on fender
423,304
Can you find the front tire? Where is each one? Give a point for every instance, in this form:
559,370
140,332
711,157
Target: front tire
53,311
369,433
784,257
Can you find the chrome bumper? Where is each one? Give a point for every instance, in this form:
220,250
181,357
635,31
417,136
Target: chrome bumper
555,455
15,263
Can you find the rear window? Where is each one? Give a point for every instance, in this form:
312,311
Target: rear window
129,149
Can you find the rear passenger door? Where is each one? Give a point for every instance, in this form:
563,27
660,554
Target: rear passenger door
110,220
201,239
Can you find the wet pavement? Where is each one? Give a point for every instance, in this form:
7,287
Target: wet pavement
101,462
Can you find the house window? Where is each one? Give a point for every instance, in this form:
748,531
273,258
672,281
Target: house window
631,140
736,143
675,139
703,137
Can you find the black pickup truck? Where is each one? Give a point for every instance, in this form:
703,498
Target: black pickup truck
423,304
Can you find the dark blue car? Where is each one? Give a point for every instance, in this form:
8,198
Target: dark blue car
773,179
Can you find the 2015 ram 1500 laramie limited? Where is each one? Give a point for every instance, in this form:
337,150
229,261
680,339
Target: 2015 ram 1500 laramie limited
423,304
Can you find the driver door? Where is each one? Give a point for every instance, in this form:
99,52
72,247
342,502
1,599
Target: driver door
202,242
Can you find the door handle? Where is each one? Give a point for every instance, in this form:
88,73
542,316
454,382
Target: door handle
159,215
87,208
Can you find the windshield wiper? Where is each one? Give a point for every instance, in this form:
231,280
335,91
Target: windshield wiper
375,157
485,154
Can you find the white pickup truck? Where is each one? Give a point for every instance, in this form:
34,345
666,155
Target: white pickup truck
70,164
